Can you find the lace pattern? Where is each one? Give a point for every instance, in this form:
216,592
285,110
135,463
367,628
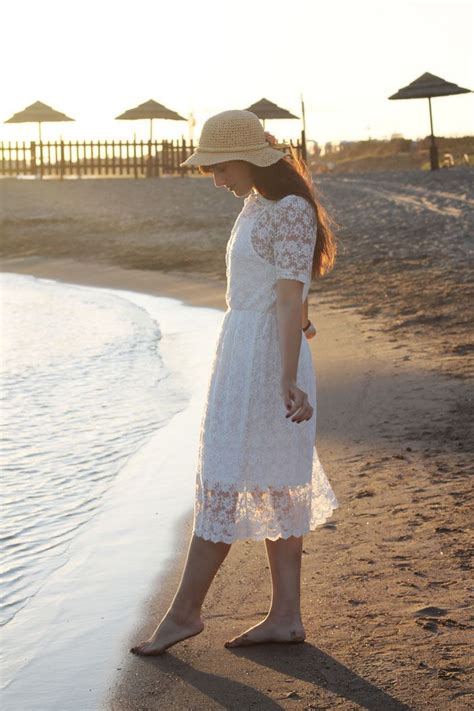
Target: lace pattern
285,236
223,513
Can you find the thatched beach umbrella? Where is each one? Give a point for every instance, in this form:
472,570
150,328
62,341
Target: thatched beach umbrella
150,110
38,113
266,109
425,87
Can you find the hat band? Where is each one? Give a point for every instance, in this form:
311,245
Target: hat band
233,149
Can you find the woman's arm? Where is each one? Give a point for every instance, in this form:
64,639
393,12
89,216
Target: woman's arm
293,238
288,306
305,318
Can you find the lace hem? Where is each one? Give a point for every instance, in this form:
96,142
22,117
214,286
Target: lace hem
223,513
260,536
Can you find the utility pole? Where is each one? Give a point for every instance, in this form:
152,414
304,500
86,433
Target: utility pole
303,131
433,147
191,125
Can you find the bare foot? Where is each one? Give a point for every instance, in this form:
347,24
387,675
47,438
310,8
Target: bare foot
167,633
269,631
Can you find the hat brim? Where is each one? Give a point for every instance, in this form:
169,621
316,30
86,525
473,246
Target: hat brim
262,157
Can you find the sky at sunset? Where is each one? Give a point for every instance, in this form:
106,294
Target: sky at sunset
94,60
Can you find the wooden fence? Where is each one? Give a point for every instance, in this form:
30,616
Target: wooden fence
137,159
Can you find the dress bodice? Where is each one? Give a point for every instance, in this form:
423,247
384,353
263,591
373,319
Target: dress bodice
270,240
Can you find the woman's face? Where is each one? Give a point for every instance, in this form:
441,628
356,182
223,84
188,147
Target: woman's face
234,175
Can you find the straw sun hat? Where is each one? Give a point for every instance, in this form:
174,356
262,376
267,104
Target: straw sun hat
233,135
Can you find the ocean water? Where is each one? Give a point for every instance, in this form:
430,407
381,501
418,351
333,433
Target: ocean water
101,398
82,385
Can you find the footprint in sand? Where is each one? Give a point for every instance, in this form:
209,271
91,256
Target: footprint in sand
431,611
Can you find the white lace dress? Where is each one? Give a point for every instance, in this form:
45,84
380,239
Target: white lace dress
258,473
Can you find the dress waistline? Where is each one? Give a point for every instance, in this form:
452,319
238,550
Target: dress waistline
270,310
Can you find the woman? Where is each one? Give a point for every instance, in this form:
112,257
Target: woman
258,473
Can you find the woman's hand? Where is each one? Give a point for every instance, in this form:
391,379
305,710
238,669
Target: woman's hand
310,331
296,401
270,138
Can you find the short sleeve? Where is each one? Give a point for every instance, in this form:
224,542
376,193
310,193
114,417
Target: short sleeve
294,238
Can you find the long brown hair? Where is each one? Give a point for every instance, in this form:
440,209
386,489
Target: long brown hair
291,176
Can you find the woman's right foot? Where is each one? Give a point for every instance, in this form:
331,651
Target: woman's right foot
269,631
168,632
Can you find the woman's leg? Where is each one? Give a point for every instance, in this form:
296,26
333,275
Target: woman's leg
183,618
284,557
283,622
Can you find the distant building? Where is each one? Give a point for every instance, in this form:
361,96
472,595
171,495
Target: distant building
448,160
332,147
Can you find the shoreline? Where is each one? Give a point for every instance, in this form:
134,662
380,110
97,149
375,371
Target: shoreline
381,418
155,283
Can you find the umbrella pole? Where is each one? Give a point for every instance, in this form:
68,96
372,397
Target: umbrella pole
151,129
433,148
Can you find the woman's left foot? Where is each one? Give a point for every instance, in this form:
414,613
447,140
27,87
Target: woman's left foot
269,631
168,632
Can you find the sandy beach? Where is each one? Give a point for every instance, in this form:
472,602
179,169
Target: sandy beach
405,241
385,582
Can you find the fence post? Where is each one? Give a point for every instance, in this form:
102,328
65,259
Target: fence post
135,163
156,161
164,156
99,159
61,159
33,158
191,147
182,170
148,161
